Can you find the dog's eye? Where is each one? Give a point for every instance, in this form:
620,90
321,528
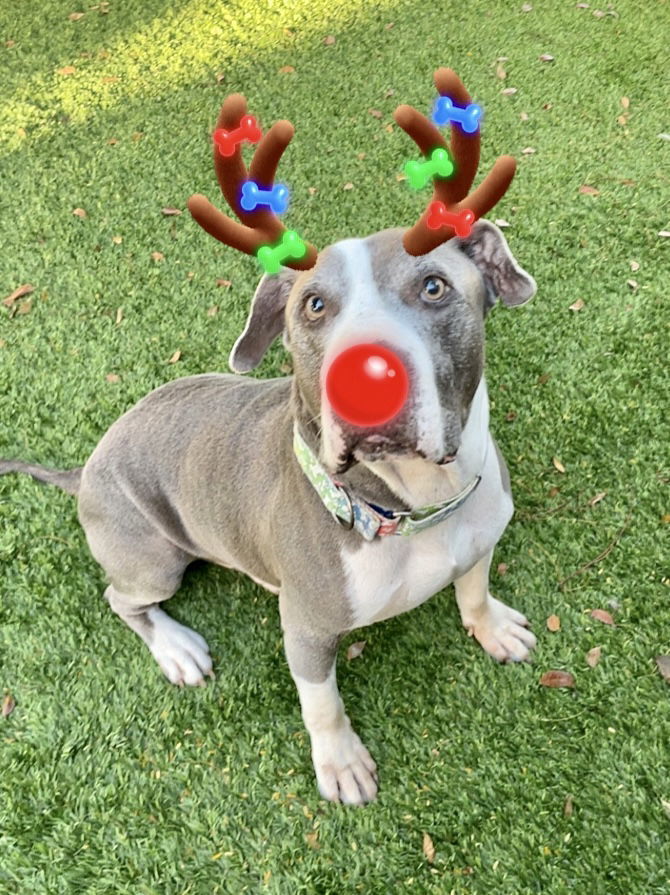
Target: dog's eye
314,307
433,288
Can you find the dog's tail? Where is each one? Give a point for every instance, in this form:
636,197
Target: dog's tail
66,479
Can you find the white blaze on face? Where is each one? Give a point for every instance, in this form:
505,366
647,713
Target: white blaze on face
366,317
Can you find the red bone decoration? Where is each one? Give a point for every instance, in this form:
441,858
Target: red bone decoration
228,141
261,227
438,216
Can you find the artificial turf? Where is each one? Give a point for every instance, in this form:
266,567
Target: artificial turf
111,780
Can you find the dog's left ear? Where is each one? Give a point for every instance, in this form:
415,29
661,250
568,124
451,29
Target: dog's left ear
265,320
487,248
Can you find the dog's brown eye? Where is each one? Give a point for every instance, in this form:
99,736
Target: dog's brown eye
433,288
315,306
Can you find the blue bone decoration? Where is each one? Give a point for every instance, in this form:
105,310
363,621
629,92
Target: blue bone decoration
445,111
276,198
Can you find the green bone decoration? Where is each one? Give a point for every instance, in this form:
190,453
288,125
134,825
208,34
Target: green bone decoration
439,164
290,246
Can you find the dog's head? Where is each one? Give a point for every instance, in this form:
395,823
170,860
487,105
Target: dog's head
423,293
428,309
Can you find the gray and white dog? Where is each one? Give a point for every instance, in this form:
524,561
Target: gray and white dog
348,525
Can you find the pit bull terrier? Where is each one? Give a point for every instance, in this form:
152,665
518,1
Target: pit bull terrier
348,525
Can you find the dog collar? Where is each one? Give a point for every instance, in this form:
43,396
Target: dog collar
367,518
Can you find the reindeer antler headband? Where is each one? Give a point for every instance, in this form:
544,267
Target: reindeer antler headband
256,200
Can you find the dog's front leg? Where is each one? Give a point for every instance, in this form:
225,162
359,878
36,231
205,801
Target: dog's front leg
345,771
501,630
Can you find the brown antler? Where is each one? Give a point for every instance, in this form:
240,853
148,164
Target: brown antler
464,149
260,227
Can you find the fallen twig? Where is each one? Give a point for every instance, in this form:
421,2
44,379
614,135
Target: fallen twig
601,556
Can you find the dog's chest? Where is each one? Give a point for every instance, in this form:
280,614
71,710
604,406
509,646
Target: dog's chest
394,574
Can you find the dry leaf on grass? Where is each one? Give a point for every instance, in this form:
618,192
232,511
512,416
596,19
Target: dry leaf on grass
356,649
557,679
634,285
557,464
508,91
502,223
663,665
664,233
25,307
587,190
593,656
8,705
546,57
597,498
634,266
329,41
66,70
158,256
26,289
348,186
79,213
375,113
428,848
312,839
168,211
286,70
602,615
224,283
112,377
117,240
500,71
502,568
213,311
568,806
527,7
119,315
175,357
577,305
528,150
553,623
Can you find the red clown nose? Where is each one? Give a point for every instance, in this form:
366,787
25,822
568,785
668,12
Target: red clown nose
367,385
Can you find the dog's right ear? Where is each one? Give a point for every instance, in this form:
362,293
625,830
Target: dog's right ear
265,320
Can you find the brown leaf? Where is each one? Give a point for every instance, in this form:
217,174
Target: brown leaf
634,285
546,57
375,113
117,240
158,256
312,839
553,623
593,656
66,70
634,266
568,807
502,568
75,16
110,79
356,649
119,315
428,848
213,311
602,615
224,283
523,116
622,120
26,289
168,211
508,91
390,92
112,377
360,156
577,305
8,705
79,212
583,5
527,7
388,128
329,41
312,190
500,71
286,70
175,357
510,416
528,150
625,102
25,306
502,223
597,498
10,43
587,190
557,679
348,186
557,464
136,136
663,665
389,26
112,141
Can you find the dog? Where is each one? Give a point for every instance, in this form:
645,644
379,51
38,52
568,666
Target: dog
349,525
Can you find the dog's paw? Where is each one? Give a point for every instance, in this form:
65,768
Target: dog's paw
345,770
503,632
182,654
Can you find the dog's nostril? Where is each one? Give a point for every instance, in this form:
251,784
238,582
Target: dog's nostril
367,384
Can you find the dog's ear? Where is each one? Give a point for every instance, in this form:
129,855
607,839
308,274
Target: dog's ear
265,320
487,248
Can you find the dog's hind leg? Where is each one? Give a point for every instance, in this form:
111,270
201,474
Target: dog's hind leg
144,569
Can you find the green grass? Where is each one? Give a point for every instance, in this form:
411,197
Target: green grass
111,781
